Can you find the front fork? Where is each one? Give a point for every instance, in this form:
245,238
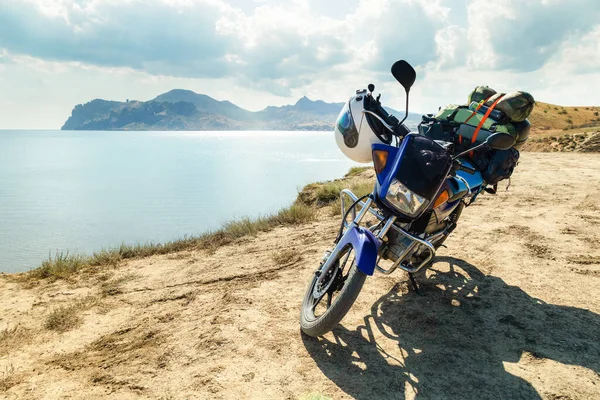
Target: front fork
366,244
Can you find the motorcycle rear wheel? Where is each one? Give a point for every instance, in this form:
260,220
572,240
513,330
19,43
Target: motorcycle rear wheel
348,281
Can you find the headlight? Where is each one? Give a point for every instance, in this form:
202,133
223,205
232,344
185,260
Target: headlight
407,202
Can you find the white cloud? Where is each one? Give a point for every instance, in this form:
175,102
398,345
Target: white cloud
272,52
452,47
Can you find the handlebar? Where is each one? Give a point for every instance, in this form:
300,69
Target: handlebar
374,108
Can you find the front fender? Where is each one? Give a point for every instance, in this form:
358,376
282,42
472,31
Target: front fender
366,247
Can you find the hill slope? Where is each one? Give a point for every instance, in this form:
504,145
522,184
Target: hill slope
511,310
186,110
550,118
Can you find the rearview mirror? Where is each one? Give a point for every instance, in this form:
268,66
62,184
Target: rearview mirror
404,73
500,141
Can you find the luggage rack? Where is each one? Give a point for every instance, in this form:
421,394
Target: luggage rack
390,224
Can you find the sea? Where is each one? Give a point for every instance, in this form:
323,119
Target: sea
82,191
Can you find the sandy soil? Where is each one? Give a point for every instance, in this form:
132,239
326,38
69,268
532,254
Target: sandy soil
511,310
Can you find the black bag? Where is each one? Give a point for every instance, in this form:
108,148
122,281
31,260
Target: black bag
496,165
436,129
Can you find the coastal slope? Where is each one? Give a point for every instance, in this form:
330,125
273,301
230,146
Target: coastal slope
510,309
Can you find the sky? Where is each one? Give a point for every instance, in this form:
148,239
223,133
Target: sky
55,54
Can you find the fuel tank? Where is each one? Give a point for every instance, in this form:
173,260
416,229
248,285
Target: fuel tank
448,198
457,189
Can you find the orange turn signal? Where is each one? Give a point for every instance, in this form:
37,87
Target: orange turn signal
442,198
380,160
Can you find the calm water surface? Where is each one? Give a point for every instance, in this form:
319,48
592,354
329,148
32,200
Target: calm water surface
83,191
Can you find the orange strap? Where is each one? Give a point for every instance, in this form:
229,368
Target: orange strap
481,103
476,110
485,117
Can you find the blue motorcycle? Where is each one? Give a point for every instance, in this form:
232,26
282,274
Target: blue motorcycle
420,191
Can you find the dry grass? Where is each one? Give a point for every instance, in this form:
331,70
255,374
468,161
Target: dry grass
121,347
13,338
187,298
8,378
325,193
65,266
356,171
114,287
65,318
286,256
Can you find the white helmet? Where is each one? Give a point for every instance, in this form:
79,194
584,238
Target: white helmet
355,129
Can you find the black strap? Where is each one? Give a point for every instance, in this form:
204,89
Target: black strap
493,189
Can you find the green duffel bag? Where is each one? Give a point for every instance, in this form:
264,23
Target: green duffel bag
522,129
480,94
467,122
467,131
516,105
446,112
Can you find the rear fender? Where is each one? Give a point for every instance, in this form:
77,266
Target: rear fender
366,248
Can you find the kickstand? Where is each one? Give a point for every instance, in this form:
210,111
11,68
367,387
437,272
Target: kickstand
415,285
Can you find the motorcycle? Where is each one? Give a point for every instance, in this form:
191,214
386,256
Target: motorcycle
420,191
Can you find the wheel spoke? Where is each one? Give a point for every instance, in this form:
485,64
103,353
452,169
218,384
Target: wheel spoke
337,278
346,260
343,266
316,303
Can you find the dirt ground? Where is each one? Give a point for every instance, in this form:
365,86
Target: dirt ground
511,310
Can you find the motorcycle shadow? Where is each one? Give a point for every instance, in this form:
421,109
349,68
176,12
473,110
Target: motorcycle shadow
455,339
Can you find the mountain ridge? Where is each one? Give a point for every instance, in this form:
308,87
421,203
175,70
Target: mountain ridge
181,109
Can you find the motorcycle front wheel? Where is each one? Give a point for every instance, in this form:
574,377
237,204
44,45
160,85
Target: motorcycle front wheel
324,307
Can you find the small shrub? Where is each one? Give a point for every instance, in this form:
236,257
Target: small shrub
65,318
335,209
576,109
545,111
61,266
296,214
563,112
362,188
329,191
596,113
12,338
569,121
62,319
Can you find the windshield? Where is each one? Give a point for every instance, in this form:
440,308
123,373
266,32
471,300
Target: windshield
424,165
